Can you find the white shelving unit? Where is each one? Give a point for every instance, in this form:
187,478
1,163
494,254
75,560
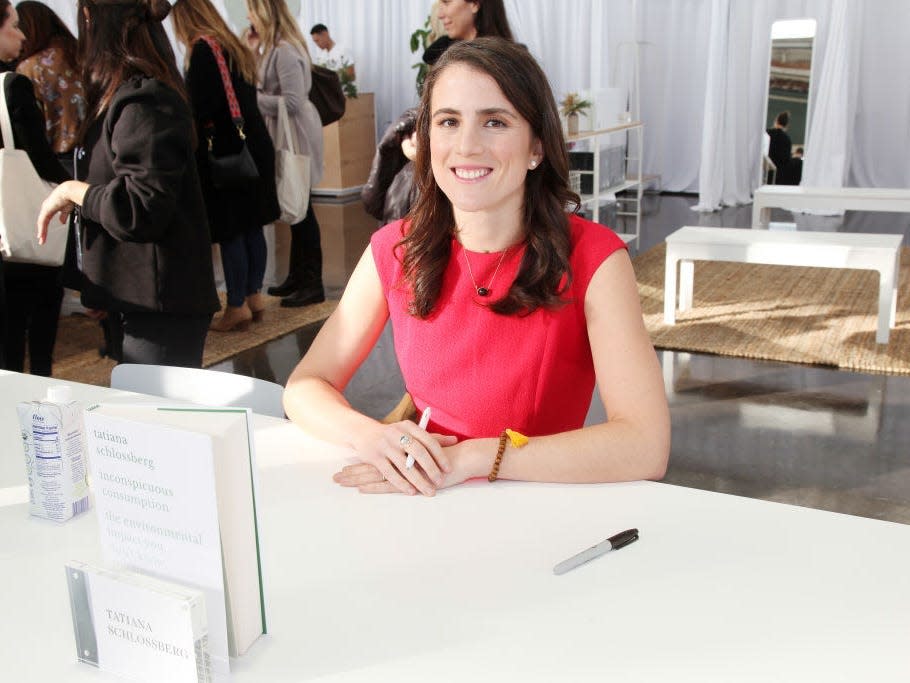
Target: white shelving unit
633,173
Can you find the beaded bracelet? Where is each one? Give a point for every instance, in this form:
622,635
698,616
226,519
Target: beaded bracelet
518,440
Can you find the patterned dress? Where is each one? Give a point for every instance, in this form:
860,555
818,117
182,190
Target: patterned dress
58,88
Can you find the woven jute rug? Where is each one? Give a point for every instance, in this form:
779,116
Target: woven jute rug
76,354
821,316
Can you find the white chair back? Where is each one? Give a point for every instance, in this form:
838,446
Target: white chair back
205,387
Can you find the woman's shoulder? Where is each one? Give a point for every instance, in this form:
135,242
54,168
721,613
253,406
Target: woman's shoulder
28,65
589,234
141,97
287,50
201,47
592,243
202,56
389,235
18,87
143,87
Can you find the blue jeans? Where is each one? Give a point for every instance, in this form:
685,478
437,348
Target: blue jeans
243,259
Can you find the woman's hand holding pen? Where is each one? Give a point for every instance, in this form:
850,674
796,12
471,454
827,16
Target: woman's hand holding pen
467,459
385,454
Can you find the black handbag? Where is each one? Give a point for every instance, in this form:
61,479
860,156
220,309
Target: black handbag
239,168
232,170
326,94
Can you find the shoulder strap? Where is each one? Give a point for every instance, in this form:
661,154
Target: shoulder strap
6,126
233,104
284,128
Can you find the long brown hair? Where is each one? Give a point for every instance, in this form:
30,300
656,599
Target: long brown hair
276,23
43,29
491,19
544,272
118,40
196,18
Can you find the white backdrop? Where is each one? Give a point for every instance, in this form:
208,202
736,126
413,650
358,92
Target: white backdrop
704,70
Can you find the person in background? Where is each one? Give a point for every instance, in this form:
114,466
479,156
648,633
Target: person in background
504,308
285,72
144,249
779,149
237,214
389,191
32,294
466,20
332,55
793,172
49,60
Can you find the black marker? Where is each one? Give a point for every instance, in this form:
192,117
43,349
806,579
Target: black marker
616,542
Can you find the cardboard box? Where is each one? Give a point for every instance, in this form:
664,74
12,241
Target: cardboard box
349,145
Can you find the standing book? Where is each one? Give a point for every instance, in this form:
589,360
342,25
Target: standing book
138,627
175,493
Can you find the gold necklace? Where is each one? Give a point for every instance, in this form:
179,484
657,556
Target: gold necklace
483,291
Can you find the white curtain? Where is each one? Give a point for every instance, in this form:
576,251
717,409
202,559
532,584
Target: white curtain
716,147
830,130
736,97
880,153
66,10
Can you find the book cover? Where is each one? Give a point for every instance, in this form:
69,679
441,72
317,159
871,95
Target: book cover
175,493
138,627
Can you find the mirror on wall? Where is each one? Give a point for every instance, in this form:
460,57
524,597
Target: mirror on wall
787,114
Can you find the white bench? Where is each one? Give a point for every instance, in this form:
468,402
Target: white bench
816,249
820,198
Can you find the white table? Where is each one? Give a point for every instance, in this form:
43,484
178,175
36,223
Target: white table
798,197
460,587
865,251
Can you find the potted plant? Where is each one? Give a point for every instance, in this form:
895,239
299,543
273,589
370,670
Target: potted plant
421,39
346,76
571,106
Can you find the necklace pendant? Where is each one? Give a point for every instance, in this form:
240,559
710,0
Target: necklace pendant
483,291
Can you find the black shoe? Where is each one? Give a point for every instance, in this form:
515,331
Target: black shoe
287,287
304,297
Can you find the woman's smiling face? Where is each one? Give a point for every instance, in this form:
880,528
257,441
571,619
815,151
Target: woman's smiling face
457,17
480,146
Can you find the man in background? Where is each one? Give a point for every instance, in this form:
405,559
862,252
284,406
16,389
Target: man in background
332,55
780,148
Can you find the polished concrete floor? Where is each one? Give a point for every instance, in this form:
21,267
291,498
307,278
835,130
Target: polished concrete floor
798,434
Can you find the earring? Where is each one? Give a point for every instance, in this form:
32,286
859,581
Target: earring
533,164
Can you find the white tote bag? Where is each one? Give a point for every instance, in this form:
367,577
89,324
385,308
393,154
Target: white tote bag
292,171
21,193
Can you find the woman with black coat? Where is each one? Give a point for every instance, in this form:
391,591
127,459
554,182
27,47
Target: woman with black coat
144,250
30,295
237,213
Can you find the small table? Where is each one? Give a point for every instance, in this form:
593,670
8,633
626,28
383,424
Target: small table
866,251
821,198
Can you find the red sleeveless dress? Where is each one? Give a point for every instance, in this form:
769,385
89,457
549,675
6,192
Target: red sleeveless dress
482,372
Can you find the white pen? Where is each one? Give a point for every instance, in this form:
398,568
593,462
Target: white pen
424,421
616,542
